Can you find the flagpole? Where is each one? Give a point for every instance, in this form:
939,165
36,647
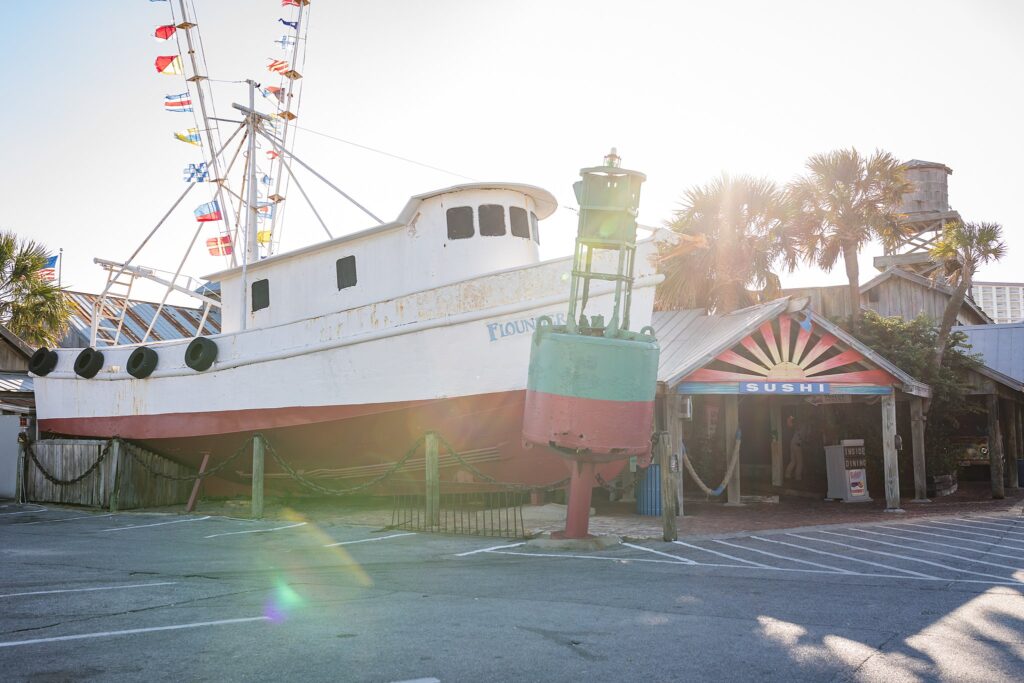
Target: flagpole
60,267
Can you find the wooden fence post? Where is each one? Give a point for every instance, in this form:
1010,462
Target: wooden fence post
732,425
19,481
1009,416
668,488
257,477
432,477
889,456
917,439
995,446
775,417
115,473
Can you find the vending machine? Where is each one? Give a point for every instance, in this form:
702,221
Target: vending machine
846,465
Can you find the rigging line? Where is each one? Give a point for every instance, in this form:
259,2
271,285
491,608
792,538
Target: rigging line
230,206
280,150
308,200
181,53
174,281
202,54
388,154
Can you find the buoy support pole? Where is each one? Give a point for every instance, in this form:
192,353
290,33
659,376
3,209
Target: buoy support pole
577,514
194,496
115,473
257,477
433,480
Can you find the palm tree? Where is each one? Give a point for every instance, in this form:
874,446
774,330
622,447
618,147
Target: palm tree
732,236
961,249
843,202
30,307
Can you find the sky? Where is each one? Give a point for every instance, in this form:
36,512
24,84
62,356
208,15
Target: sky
494,90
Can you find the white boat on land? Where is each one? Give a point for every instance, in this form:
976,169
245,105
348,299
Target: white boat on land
343,353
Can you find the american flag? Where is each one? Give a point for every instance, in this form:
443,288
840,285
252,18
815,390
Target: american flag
277,66
48,273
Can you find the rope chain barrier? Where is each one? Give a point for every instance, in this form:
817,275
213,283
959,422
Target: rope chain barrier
66,482
491,480
133,451
310,484
728,470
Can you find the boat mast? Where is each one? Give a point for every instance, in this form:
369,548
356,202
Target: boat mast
251,253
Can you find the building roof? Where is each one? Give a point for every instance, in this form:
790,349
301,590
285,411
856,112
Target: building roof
544,200
924,282
690,339
174,322
919,163
15,341
1001,347
16,382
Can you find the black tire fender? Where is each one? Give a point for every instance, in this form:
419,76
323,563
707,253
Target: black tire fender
42,362
88,363
142,362
201,353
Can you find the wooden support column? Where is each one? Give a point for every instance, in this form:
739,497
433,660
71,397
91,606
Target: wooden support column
194,496
1012,444
917,437
257,477
995,446
432,477
775,417
889,455
675,446
731,425
19,477
668,487
114,473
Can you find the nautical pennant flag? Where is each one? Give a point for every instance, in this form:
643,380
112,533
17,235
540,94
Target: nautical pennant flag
48,273
290,24
277,65
209,211
189,135
219,246
291,3
266,180
285,42
271,154
196,173
273,90
264,210
263,236
164,32
178,103
169,65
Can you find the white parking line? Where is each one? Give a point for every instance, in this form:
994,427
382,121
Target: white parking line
682,560
784,557
67,519
487,550
1014,520
934,552
143,526
369,540
625,560
985,551
989,544
991,526
991,535
25,512
86,590
877,564
730,557
844,557
257,531
151,629
913,559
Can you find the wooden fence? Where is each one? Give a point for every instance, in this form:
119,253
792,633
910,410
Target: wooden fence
137,487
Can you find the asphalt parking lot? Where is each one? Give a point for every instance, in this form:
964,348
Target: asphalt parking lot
136,596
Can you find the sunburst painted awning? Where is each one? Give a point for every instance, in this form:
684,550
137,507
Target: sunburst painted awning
777,348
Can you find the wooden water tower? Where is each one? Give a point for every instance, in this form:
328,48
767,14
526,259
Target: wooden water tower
925,210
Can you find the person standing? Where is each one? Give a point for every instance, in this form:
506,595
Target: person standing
795,469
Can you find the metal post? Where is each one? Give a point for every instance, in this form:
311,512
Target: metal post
1012,445
198,483
732,425
889,456
19,483
433,480
775,418
115,474
995,446
668,488
257,477
917,437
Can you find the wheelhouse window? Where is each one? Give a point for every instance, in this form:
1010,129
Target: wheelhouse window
346,268
520,222
492,220
260,295
534,228
460,222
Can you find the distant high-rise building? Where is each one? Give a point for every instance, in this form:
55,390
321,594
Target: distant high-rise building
1002,301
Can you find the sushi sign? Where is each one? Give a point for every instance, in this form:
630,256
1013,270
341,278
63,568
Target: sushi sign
784,388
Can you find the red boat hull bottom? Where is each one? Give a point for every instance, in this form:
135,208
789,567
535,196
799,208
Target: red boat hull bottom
602,430
341,446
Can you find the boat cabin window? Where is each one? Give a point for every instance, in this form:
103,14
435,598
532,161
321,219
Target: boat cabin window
492,220
346,268
260,295
520,223
460,222
534,228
